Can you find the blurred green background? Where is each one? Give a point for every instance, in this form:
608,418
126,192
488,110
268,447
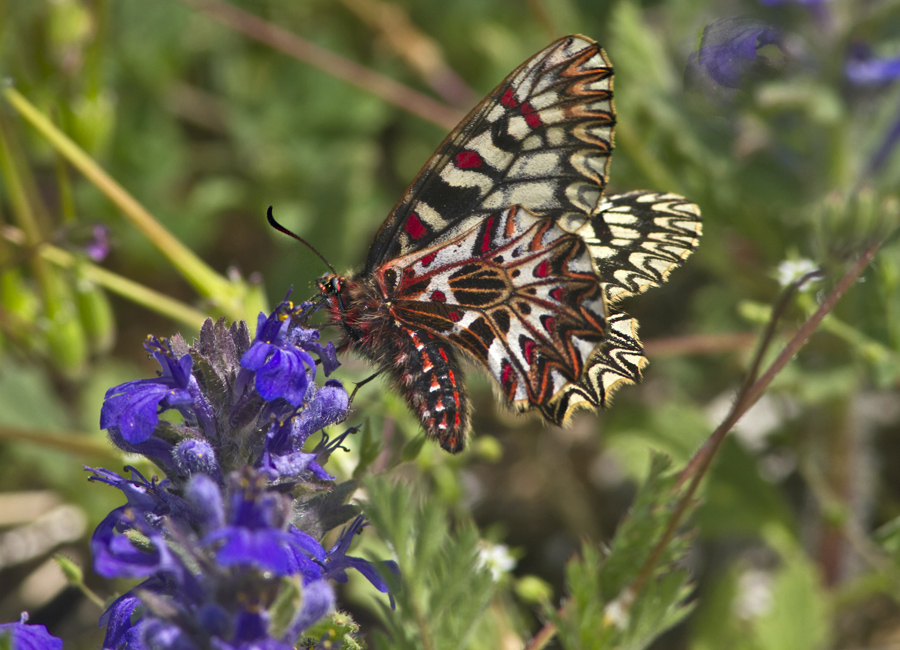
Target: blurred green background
206,127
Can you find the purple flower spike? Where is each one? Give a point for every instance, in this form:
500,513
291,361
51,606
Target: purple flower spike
236,512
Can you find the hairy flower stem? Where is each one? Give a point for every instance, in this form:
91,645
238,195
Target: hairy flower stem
337,66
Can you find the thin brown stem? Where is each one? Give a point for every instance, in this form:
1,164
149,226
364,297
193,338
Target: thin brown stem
769,334
420,52
672,346
337,66
542,638
750,393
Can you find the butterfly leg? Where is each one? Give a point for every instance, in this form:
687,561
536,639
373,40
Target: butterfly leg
362,383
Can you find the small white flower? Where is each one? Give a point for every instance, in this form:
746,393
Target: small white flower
496,558
790,271
754,594
618,611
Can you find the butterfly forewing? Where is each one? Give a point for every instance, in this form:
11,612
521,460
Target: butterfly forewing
541,140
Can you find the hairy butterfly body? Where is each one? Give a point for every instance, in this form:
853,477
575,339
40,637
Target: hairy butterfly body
505,250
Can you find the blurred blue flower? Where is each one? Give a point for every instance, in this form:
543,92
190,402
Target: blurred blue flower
863,69
97,248
236,521
21,636
728,54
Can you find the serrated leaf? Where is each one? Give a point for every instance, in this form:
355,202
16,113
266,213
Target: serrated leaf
604,610
442,593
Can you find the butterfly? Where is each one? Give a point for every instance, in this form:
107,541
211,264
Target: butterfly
504,250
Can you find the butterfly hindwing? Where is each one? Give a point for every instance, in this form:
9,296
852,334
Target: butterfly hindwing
517,292
638,238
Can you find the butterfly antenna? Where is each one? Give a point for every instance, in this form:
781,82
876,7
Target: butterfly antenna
277,226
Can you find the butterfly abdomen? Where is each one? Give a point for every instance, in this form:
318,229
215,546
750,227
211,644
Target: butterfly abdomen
431,381
428,376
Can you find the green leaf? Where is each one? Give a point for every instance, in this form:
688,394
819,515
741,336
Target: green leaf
798,617
603,609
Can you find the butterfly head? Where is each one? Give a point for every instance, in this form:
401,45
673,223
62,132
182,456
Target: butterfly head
338,293
330,285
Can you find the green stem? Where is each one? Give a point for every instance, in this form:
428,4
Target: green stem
129,289
69,441
203,278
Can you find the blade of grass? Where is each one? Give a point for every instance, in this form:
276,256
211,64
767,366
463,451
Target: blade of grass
75,442
129,289
224,294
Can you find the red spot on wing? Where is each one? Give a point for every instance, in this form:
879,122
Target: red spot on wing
443,355
467,159
438,296
532,118
486,237
414,226
451,377
543,269
428,259
455,316
558,293
528,350
506,373
549,324
509,98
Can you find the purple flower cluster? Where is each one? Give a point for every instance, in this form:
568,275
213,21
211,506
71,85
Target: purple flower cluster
237,522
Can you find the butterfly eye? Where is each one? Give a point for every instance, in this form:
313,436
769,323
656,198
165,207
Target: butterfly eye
390,279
